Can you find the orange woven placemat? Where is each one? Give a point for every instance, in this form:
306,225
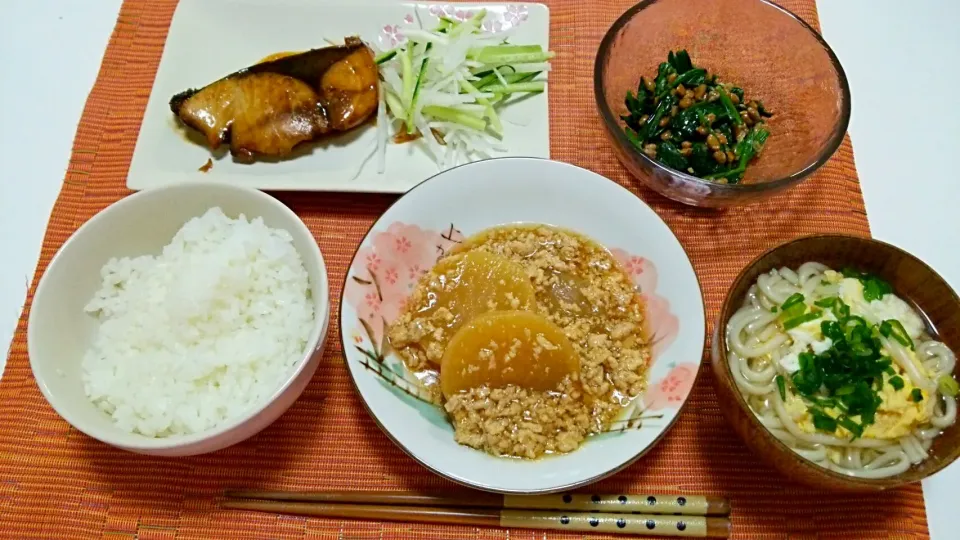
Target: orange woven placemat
58,483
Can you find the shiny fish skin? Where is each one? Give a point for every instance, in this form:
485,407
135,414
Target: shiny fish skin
270,108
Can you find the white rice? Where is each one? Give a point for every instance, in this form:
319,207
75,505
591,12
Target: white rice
202,333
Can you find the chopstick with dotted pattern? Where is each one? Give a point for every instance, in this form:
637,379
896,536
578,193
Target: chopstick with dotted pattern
654,515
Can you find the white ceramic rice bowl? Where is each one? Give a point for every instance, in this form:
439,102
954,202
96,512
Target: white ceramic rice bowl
59,331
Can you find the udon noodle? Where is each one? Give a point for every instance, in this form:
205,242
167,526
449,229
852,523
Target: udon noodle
763,356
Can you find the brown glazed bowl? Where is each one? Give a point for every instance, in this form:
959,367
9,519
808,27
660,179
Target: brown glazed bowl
770,52
911,279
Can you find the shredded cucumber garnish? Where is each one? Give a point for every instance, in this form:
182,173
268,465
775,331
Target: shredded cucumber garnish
536,86
448,86
406,65
421,75
384,56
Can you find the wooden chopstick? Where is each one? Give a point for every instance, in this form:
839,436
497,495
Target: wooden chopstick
651,525
687,505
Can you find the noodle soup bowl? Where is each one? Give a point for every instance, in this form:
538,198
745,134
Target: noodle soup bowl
912,280
438,215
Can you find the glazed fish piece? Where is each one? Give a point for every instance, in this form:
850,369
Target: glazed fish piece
269,108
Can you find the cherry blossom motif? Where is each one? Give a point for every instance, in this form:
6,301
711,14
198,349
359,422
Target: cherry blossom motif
661,325
408,19
450,12
388,268
372,261
414,273
515,15
494,22
392,35
403,244
391,276
493,25
671,391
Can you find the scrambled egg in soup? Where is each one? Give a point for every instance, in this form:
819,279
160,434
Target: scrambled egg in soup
898,414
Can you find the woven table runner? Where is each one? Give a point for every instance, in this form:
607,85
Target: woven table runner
57,483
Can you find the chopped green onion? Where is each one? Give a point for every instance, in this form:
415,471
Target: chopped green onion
793,306
896,382
893,328
797,321
874,288
844,390
822,421
851,426
793,299
782,387
948,385
533,86
916,395
773,309
821,401
450,114
834,304
793,311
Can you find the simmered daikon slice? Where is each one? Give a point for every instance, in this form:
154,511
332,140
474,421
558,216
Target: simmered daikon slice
465,285
507,347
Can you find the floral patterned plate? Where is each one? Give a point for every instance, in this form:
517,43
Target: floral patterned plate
437,214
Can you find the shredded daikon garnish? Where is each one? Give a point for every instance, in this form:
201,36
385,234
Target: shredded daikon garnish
449,84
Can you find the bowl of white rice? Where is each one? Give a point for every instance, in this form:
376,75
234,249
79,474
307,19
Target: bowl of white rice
180,320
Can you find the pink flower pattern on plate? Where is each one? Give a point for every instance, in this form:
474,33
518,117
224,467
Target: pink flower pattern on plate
661,325
391,35
388,268
671,391
386,271
515,15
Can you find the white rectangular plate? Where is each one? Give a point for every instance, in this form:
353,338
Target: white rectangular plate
209,39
